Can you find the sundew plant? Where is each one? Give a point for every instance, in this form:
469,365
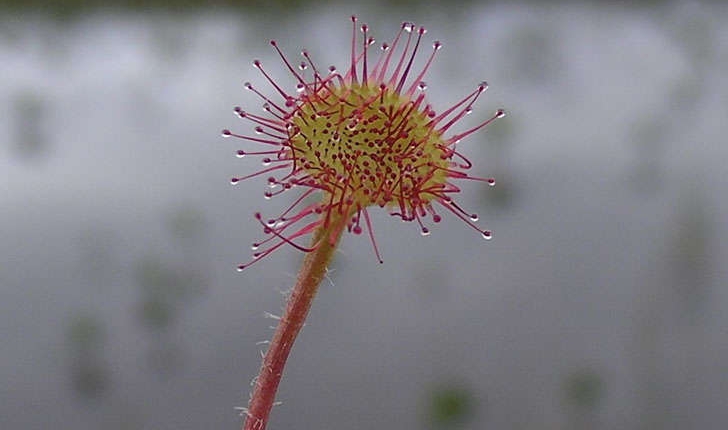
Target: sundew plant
354,139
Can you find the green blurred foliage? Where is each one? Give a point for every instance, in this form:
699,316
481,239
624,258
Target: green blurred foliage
533,55
69,8
186,223
90,379
90,375
85,332
583,388
450,406
164,287
154,312
500,138
691,253
28,115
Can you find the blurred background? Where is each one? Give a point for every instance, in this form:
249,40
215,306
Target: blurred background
600,303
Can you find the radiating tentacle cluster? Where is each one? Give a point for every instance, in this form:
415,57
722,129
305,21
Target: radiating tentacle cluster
358,138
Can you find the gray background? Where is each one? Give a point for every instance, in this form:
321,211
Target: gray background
600,302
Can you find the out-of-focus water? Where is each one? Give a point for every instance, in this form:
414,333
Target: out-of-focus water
599,303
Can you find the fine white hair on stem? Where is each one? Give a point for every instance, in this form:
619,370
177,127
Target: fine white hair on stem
285,292
242,411
328,277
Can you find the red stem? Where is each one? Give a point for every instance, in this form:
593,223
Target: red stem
309,278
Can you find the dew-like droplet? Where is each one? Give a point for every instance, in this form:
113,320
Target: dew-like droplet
500,113
437,45
300,87
234,181
491,182
436,218
356,229
487,234
425,231
240,153
422,85
483,86
268,195
255,246
226,133
240,268
468,110
474,217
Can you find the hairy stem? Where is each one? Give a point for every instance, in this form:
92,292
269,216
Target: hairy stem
312,272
